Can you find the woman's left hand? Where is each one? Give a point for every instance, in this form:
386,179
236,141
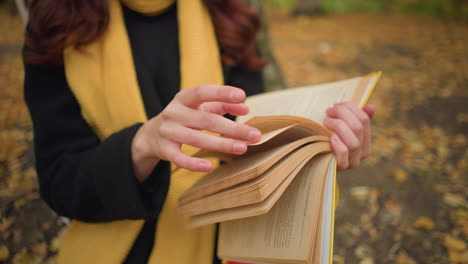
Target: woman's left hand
351,141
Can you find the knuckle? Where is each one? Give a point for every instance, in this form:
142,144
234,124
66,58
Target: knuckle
178,160
207,122
357,128
204,107
165,130
365,120
354,145
343,152
198,92
190,139
238,129
164,151
224,145
165,115
178,95
169,113
340,125
225,91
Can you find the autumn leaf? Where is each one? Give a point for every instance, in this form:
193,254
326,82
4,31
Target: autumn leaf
4,253
424,222
458,257
400,175
403,258
454,244
454,200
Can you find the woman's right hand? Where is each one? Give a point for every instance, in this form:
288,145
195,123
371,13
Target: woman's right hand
182,121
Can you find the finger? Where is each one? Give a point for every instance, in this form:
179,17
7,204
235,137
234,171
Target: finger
341,152
365,120
171,151
367,143
349,116
195,96
346,135
199,139
370,110
224,108
215,123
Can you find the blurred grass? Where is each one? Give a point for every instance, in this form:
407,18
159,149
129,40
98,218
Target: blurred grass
344,6
457,9
280,4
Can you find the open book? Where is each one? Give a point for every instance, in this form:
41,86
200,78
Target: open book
276,202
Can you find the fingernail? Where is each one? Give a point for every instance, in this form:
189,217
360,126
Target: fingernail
254,135
239,147
237,95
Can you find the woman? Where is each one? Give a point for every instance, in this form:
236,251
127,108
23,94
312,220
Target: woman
115,88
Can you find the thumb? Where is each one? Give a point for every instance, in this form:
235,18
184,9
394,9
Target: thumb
370,110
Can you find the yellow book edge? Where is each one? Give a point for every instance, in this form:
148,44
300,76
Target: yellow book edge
335,194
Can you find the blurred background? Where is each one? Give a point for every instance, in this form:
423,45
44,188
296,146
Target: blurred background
406,204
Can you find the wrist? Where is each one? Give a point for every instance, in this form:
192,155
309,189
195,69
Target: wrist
143,159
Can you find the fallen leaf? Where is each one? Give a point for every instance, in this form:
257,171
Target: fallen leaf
40,249
362,251
55,243
25,257
367,260
51,260
19,203
360,192
441,188
403,258
458,257
454,244
454,200
424,222
400,175
5,224
465,230
4,253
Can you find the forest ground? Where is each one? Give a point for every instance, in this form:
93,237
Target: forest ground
407,203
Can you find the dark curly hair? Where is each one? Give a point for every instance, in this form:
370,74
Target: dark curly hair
51,22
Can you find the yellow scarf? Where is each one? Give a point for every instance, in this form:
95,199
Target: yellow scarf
103,79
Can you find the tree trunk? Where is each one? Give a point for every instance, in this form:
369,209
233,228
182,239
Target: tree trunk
22,7
272,76
307,7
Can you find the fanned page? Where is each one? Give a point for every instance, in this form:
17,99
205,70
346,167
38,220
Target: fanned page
289,232
311,101
256,190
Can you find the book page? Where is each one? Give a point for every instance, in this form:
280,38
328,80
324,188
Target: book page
248,210
285,232
238,171
256,190
310,101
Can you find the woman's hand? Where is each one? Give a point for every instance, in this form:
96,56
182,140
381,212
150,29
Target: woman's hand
182,121
352,139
